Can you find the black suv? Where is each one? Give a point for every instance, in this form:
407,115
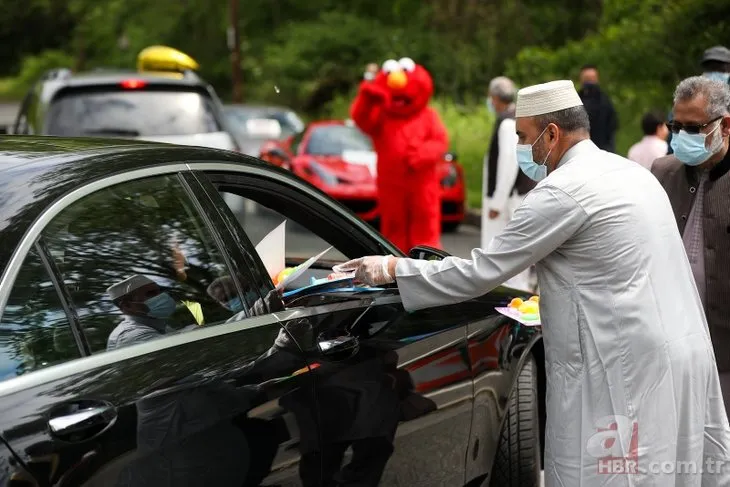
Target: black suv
173,107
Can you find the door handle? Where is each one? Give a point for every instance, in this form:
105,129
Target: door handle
83,419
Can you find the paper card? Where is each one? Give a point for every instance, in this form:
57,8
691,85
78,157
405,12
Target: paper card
362,158
301,269
516,315
272,250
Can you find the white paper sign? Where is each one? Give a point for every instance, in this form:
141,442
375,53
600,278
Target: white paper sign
301,269
272,250
362,158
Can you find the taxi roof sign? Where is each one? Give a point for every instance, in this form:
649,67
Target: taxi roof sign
165,59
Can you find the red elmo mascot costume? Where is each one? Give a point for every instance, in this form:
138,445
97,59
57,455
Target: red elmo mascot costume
410,141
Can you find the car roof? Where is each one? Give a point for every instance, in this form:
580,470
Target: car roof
101,78
35,171
325,123
113,77
256,107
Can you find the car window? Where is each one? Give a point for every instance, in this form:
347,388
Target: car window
290,122
333,140
34,329
131,113
258,220
140,263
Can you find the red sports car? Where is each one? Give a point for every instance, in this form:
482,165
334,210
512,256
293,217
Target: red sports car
338,158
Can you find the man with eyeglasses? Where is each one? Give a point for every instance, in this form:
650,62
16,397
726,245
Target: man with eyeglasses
715,65
698,184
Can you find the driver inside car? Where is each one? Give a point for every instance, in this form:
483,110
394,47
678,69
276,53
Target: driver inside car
147,311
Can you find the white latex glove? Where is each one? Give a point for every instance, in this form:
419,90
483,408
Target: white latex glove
371,270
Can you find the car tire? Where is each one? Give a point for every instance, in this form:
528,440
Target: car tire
517,460
450,227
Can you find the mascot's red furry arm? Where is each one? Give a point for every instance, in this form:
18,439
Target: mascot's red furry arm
368,109
431,149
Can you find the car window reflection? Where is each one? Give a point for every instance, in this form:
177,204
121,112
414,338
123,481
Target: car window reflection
139,263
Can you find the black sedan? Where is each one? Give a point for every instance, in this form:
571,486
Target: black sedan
143,342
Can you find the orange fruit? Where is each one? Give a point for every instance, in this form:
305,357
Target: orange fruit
516,303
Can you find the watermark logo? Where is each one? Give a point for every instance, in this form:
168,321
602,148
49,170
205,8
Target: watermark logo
616,445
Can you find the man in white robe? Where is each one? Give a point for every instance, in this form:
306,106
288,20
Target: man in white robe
626,341
504,185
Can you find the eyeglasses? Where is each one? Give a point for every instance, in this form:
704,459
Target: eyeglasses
675,127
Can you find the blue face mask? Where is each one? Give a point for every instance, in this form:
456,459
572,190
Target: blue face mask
161,306
490,106
235,305
717,76
691,149
532,170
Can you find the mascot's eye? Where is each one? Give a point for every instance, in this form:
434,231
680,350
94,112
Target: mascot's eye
408,64
391,65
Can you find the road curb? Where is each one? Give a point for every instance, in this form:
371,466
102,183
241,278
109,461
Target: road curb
473,218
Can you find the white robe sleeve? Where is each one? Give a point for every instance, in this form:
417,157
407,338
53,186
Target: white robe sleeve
547,217
506,165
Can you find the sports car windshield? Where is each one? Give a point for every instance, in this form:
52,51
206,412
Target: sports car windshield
131,114
334,140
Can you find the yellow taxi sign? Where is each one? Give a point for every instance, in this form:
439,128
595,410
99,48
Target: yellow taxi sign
165,59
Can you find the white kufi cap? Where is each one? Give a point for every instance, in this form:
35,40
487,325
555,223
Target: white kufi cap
128,285
546,98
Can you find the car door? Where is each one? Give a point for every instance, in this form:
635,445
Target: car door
393,390
103,386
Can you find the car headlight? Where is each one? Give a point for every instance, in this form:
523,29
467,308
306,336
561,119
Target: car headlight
450,180
323,174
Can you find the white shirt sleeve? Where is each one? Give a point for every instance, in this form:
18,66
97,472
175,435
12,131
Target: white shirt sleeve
546,219
506,165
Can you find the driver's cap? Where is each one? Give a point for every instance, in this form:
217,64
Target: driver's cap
128,285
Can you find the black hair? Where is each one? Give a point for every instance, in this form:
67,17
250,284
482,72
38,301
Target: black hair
650,122
570,120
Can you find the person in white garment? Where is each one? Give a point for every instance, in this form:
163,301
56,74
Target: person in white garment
504,185
627,348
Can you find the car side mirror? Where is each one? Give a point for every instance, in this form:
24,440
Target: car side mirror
450,157
424,252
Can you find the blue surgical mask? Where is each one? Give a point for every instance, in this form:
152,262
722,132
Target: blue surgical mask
490,106
235,305
717,76
532,170
161,306
691,149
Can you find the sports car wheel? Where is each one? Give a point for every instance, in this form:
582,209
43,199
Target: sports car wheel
517,461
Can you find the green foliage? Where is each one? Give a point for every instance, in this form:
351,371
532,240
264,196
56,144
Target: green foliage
642,48
34,66
310,55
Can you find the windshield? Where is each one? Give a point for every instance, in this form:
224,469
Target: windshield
131,113
334,140
290,122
